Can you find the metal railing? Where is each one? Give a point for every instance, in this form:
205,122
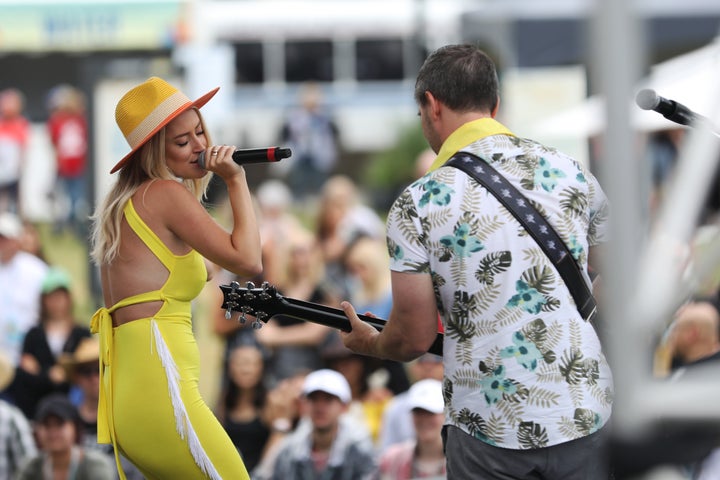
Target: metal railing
642,281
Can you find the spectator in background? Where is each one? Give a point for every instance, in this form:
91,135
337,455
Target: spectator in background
17,443
14,139
342,217
423,162
283,410
31,242
277,226
313,137
423,456
242,403
368,266
57,333
21,278
68,131
691,449
397,422
330,445
370,384
58,431
294,344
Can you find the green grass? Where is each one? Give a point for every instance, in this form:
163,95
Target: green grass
68,251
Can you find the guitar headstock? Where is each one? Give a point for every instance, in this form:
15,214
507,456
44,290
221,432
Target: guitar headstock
261,303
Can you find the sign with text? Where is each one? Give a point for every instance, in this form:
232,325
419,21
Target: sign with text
86,26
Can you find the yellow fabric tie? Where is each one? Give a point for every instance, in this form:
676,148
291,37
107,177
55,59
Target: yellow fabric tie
465,135
101,323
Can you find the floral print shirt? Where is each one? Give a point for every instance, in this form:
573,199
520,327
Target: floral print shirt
523,370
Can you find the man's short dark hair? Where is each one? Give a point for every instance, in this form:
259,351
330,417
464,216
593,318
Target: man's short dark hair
463,77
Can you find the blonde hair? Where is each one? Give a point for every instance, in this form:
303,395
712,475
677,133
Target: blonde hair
147,163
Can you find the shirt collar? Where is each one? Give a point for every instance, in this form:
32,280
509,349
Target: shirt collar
465,135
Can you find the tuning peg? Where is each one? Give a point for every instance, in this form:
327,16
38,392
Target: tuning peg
228,313
257,325
249,285
242,318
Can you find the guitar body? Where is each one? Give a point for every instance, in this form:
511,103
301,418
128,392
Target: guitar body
264,303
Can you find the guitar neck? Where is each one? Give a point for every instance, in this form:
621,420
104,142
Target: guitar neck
335,318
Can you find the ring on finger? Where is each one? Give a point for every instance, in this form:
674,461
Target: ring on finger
214,152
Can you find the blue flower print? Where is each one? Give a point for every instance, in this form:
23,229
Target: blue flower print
435,192
546,176
462,244
576,249
524,351
527,297
396,251
581,178
496,385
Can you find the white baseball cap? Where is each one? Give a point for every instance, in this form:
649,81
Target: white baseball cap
427,395
10,225
328,381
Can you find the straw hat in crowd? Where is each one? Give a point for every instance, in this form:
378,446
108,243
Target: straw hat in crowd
88,351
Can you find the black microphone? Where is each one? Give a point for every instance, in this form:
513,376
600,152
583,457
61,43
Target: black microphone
254,155
647,99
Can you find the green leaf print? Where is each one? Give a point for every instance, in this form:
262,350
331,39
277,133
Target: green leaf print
476,425
573,201
572,366
539,278
459,326
532,435
491,265
587,421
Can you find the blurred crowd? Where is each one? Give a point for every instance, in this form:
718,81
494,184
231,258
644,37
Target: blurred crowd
283,388
282,385
292,398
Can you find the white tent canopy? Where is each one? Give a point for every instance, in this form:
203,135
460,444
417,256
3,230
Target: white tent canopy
692,79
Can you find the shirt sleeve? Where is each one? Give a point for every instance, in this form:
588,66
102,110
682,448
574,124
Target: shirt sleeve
405,238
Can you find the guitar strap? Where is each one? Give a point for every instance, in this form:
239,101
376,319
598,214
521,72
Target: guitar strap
535,224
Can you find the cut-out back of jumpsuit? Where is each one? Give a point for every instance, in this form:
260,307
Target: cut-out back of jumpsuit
150,406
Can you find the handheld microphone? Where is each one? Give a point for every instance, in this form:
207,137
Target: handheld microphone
254,155
647,99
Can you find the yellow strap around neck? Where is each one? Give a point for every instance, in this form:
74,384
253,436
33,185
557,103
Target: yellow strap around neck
465,135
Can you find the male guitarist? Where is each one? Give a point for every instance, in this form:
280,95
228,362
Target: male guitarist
527,388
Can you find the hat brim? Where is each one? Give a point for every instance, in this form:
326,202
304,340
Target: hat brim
196,104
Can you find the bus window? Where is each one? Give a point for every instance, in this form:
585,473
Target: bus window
379,59
249,62
308,61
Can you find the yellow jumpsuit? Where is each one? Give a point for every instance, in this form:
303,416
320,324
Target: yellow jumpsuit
150,406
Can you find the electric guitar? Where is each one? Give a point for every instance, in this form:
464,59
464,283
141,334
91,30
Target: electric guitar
265,302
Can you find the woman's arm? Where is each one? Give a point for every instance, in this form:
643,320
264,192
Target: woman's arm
237,251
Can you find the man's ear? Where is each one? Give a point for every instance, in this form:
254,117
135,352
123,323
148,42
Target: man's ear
433,105
496,109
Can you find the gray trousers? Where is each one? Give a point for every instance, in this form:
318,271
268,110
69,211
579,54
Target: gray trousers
469,458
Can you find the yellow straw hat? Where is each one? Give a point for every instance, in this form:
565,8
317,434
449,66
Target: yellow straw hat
147,108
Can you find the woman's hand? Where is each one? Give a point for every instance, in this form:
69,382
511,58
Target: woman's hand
218,159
